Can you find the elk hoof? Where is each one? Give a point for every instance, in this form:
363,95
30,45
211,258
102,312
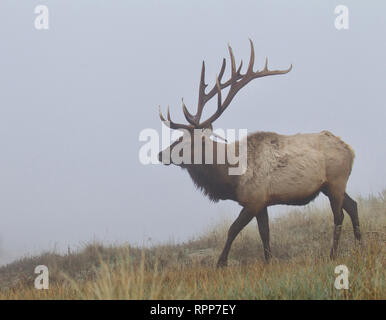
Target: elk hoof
268,257
357,234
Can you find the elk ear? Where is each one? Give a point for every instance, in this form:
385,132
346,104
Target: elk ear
208,132
205,133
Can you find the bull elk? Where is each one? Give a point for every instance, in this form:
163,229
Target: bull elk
282,169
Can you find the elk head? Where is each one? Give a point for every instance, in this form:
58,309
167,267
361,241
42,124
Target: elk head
197,129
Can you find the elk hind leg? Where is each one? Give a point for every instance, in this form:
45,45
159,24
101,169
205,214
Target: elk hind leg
351,207
336,197
242,220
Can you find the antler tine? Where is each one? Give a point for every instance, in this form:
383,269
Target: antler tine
188,116
239,69
252,59
266,64
233,63
203,85
160,114
202,80
172,125
218,94
201,95
266,72
224,62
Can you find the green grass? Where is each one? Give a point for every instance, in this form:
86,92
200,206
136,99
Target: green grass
301,269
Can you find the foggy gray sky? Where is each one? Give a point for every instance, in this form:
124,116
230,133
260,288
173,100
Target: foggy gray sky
73,100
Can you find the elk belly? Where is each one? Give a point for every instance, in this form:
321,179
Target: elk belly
297,183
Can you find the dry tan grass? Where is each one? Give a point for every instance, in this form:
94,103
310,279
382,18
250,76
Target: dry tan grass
301,268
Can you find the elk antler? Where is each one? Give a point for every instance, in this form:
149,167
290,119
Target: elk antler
236,82
172,125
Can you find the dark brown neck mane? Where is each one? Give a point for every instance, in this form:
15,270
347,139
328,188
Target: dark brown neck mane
213,180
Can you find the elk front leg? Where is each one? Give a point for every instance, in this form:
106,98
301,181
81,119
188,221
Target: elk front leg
242,220
263,224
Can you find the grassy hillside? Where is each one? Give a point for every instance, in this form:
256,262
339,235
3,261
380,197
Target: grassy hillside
300,269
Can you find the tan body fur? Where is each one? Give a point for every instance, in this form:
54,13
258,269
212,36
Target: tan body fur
292,169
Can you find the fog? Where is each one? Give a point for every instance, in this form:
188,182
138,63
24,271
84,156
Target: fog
74,98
